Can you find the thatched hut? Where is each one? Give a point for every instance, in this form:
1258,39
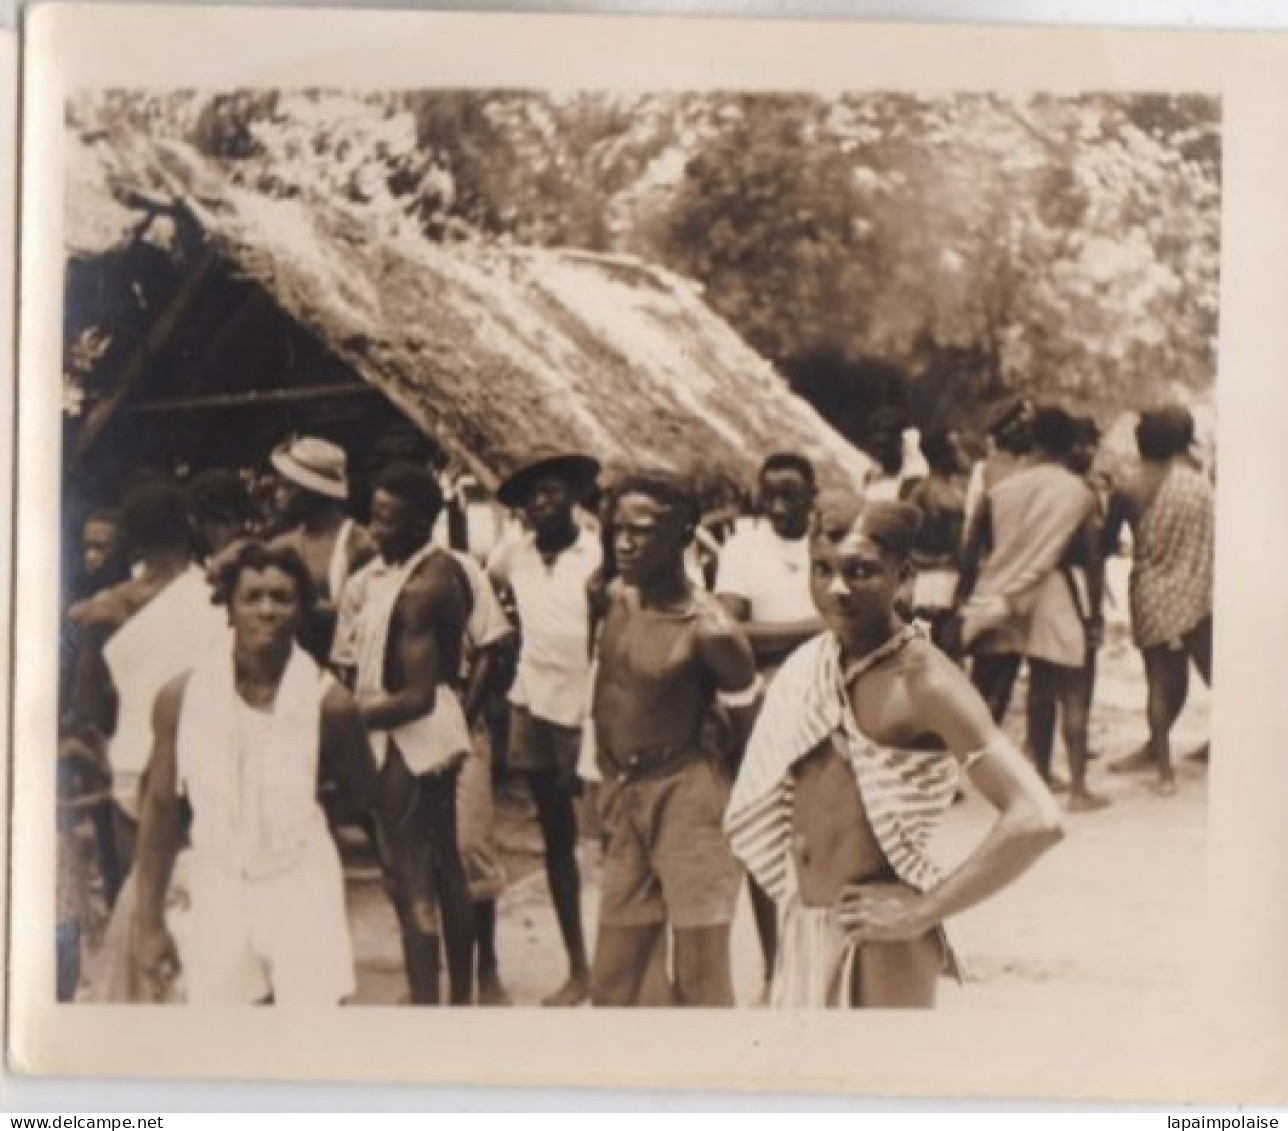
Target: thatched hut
206,320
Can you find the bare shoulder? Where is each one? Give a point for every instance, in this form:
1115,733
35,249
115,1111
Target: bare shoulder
931,678
925,666
437,579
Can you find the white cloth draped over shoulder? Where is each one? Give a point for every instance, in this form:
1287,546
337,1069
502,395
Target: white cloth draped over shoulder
433,740
253,788
160,641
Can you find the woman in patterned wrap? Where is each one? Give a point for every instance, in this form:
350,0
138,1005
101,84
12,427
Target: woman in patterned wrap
1170,508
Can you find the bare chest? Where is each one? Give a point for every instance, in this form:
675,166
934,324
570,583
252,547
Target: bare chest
646,647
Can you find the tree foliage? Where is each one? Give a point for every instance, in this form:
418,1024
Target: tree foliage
1068,245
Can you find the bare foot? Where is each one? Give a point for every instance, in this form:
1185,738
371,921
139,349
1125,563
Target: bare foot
573,992
1201,754
1166,785
1084,801
1056,784
491,992
1137,762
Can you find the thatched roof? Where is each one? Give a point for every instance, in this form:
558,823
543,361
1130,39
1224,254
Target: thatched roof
488,349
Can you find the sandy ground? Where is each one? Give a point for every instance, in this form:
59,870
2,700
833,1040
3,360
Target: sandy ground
1102,915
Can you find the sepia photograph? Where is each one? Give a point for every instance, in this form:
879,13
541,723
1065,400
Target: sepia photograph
543,549
605,384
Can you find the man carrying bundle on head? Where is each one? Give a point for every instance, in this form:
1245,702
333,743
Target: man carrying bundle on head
668,652
833,812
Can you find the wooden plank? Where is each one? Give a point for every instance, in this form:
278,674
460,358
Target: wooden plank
256,397
136,364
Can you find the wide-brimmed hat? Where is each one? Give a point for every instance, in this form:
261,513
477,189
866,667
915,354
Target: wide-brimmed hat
579,471
316,465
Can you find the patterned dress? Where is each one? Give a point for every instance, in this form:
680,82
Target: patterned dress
1172,572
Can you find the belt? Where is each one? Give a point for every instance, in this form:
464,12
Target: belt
650,762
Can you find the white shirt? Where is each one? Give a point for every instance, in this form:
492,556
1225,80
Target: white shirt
554,616
161,640
768,572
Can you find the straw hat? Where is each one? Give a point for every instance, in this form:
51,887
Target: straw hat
578,470
316,465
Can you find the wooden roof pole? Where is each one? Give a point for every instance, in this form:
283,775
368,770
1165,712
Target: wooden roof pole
132,370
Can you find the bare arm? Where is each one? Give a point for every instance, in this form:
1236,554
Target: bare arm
479,682
345,754
771,642
163,816
726,654
1028,822
419,610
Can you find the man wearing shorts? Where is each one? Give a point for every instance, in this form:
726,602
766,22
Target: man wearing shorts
667,652
548,575
238,745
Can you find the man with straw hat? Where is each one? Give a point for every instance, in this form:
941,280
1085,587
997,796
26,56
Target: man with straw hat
548,573
310,499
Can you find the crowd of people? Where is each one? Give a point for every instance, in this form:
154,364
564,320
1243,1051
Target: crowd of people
788,701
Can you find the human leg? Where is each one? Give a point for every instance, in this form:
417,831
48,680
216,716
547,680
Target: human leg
438,791
1072,698
699,878
994,677
557,816
621,957
703,974
897,975
407,857
1198,642
546,754
483,868
1167,679
1041,709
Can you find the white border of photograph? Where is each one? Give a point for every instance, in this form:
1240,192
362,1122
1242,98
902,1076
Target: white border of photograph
1226,1039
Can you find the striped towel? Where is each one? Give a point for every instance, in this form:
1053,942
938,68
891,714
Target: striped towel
905,792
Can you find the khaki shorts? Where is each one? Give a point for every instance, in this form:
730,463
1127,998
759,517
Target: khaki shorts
540,746
665,855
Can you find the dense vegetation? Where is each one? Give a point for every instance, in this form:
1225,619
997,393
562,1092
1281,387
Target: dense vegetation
877,248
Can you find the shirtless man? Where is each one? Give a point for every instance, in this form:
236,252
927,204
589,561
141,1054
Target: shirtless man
834,813
235,760
763,580
410,633
667,653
